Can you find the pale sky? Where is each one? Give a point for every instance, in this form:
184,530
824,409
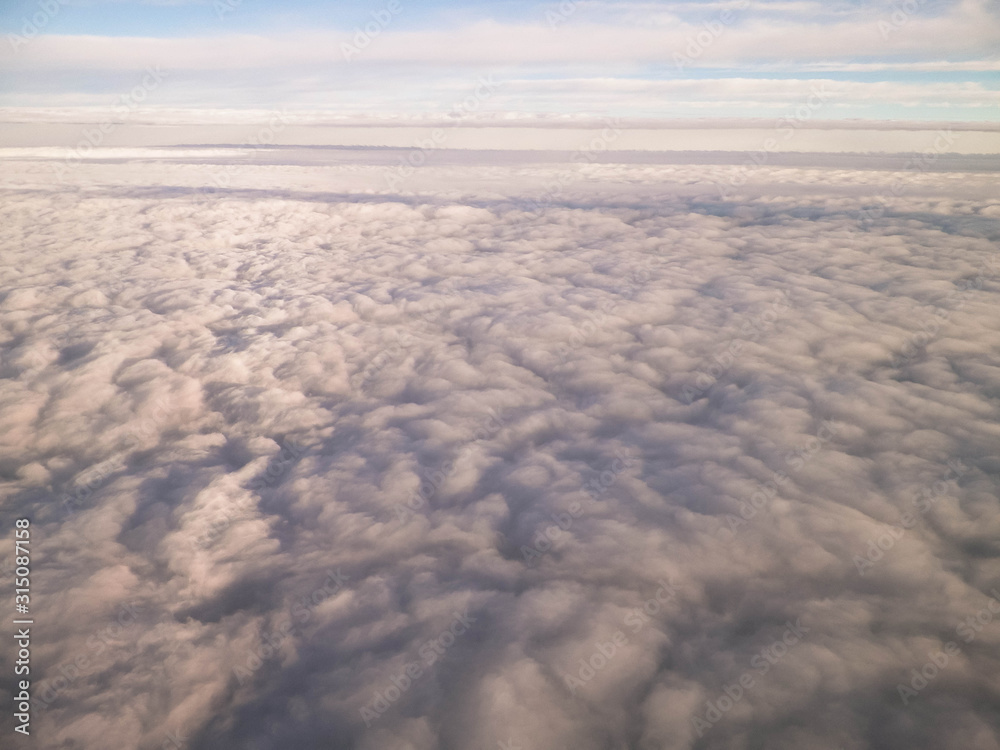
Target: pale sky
923,60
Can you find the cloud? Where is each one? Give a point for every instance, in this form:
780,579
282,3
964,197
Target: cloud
656,59
511,343
967,29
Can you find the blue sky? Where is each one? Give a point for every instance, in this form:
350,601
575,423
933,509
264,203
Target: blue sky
910,59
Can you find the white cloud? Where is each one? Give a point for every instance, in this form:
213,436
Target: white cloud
180,133
967,30
383,330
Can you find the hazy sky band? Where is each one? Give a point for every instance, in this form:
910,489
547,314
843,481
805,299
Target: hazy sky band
909,60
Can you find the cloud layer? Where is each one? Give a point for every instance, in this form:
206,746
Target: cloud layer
511,455
906,60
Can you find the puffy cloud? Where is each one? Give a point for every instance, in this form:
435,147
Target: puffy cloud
310,462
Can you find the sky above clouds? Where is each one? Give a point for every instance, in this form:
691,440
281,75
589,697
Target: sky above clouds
924,60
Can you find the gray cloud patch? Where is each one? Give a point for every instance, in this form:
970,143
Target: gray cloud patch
683,450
